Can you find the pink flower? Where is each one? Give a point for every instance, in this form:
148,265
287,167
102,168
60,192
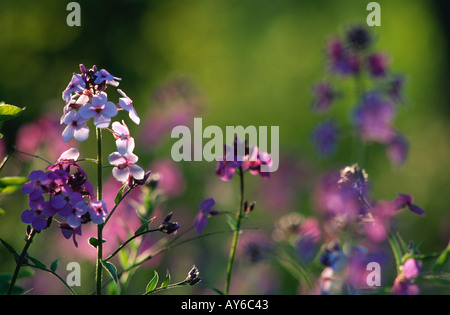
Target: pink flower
124,142
101,109
125,166
97,210
127,104
76,127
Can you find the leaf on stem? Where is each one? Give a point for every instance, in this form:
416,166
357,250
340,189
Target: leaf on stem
8,112
153,283
442,259
94,241
112,270
166,280
38,263
54,265
9,247
119,195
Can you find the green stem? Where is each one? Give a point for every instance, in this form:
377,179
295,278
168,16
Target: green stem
236,233
396,249
20,261
99,266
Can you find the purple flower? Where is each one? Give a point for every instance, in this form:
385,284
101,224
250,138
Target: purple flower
169,227
35,216
34,187
105,76
97,210
69,232
205,208
324,95
358,38
397,150
124,142
342,61
405,200
76,85
377,64
101,109
325,137
403,284
373,118
127,104
125,166
76,127
254,160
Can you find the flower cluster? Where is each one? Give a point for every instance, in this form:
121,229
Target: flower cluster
86,98
378,92
62,190
241,156
344,200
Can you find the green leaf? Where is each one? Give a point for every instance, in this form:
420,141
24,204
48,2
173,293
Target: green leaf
442,259
94,241
8,112
2,212
38,263
153,283
9,247
54,265
231,222
11,184
166,280
119,195
142,228
111,269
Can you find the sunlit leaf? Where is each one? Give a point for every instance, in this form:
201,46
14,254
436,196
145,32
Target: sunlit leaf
8,112
166,280
153,283
111,269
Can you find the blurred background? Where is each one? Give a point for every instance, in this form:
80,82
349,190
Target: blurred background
233,63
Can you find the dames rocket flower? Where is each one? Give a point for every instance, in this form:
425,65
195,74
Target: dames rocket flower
76,127
124,141
205,210
127,104
125,166
101,109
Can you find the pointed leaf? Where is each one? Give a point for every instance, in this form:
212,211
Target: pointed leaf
119,195
111,269
153,283
9,247
8,112
166,280
442,259
38,263
94,241
54,265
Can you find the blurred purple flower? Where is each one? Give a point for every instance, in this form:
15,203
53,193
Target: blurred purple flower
308,244
373,118
358,37
324,95
171,179
205,210
254,160
343,62
377,64
405,200
403,284
325,137
397,150
101,109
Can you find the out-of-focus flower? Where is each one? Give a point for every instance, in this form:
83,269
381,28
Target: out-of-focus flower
405,200
309,236
254,160
101,109
170,177
76,127
325,137
343,62
377,64
358,37
255,246
397,150
324,95
127,104
124,142
205,210
125,166
403,283
333,257
373,118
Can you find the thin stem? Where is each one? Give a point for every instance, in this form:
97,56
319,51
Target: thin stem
20,261
99,265
129,240
358,145
236,233
56,275
35,156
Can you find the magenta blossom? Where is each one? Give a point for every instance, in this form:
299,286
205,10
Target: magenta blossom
377,64
76,85
127,104
35,186
125,166
205,208
35,215
403,283
254,160
124,142
101,109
